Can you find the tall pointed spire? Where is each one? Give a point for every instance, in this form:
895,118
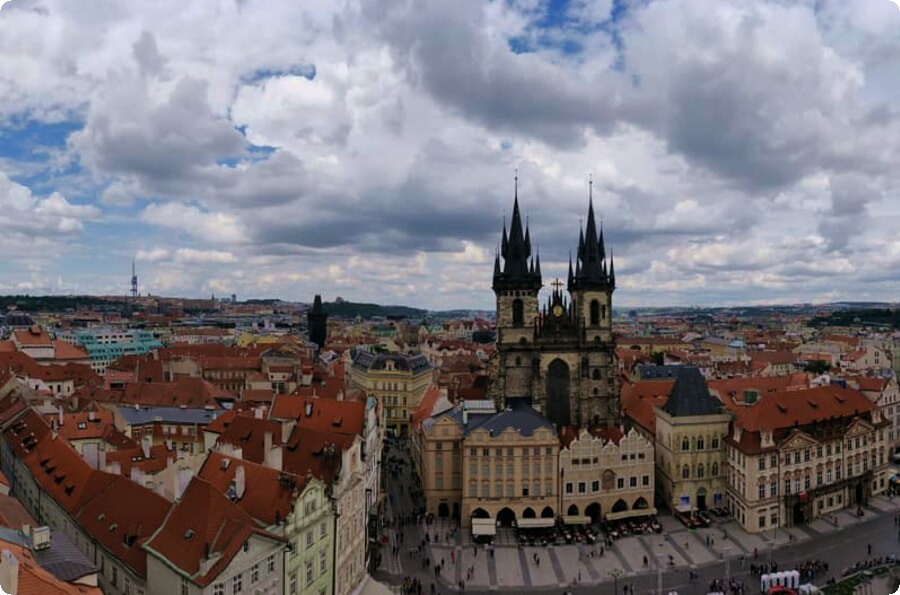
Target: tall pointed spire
537,265
600,243
518,268
612,270
571,274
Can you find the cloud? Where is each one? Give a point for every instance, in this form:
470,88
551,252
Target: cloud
740,151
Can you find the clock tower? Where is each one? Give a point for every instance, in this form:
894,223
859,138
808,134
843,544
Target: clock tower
561,355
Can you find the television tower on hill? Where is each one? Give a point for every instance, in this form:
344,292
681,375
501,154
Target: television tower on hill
134,281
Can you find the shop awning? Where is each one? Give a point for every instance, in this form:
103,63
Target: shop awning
630,514
576,520
484,527
535,523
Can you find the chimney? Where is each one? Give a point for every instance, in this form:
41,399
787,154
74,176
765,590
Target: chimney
92,415
240,482
309,408
60,416
258,412
9,573
146,442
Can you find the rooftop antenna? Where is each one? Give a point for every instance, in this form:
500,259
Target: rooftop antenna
134,281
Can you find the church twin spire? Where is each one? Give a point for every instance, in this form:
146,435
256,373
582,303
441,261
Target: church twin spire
518,268
591,270
514,265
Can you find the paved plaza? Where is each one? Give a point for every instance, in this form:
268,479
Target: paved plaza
723,549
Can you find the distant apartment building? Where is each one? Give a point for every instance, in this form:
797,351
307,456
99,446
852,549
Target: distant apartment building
397,381
105,346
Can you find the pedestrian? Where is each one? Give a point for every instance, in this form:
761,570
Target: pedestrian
869,548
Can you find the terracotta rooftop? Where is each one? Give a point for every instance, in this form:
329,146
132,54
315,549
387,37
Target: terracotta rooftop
121,518
330,415
81,426
246,432
639,398
315,452
801,407
268,496
34,580
203,518
133,458
33,336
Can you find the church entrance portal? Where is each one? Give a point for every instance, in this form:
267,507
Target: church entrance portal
558,410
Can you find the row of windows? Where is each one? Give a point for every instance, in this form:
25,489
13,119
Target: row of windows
510,452
700,443
620,484
508,489
323,531
510,467
701,471
237,581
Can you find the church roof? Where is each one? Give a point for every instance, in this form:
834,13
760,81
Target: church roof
689,396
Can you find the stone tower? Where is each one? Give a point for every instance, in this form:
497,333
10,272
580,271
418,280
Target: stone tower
317,322
560,355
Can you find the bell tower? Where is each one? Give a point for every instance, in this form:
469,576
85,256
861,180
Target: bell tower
517,281
591,285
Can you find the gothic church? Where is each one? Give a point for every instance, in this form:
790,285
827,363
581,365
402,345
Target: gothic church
560,356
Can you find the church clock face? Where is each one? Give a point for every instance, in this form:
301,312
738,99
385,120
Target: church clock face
557,310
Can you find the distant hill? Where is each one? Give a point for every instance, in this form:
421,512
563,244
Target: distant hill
884,317
345,309
55,303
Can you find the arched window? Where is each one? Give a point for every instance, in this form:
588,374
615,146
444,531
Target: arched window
596,391
596,374
518,361
715,443
518,312
595,312
700,443
700,470
685,472
685,444
715,470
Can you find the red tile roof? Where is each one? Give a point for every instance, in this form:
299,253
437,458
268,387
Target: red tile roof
183,391
639,398
202,518
133,458
32,336
34,580
801,407
121,518
13,515
64,475
248,433
80,426
63,351
315,452
268,496
330,415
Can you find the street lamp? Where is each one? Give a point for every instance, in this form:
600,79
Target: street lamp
615,573
727,563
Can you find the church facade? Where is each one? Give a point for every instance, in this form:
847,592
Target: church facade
559,354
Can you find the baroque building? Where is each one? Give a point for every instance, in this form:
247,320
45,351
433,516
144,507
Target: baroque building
559,356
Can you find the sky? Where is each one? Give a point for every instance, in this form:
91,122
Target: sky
742,152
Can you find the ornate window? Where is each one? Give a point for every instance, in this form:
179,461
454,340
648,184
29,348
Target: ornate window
518,312
595,313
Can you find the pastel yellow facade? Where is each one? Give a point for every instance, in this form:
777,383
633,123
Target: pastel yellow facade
690,459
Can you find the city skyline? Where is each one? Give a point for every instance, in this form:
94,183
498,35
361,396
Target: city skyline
369,151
